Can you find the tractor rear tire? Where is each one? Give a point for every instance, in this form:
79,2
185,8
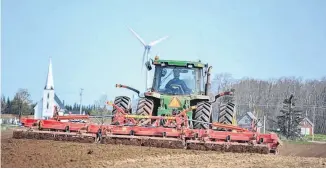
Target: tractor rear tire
202,113
226,113
123,102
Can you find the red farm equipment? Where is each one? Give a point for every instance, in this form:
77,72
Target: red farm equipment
173,133
176,117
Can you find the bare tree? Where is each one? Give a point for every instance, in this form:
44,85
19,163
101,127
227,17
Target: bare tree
22,103
101,107
265,97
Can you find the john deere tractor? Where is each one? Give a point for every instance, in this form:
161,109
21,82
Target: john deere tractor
177,85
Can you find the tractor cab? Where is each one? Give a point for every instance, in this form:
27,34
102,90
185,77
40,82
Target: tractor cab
178,77
179,86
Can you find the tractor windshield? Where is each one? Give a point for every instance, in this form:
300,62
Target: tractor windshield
175,80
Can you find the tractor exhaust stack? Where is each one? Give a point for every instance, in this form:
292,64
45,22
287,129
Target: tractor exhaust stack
208,80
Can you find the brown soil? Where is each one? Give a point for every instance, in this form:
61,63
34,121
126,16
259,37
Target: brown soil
304,150
46,153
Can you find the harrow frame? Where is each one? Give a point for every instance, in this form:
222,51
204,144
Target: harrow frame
173,133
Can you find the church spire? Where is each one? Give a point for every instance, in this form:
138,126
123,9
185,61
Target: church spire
49,81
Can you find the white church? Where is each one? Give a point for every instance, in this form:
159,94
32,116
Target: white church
44,109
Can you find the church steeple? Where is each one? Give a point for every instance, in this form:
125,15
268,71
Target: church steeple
49,81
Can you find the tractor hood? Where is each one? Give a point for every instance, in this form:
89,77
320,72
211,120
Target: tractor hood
175,101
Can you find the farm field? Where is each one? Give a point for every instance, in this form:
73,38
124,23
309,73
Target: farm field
36,153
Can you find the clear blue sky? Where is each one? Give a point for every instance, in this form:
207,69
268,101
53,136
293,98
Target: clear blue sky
92,48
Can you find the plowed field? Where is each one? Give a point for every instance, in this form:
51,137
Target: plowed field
42,153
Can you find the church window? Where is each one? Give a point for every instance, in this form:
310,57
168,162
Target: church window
48,95
47,105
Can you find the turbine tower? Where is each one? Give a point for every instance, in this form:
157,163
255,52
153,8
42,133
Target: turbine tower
146,53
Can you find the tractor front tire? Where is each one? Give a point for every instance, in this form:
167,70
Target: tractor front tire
202,113
145,108
226,113
123,102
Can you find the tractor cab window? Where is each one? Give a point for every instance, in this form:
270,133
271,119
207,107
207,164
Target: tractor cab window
176,80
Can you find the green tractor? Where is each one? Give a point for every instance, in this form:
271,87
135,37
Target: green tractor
177,85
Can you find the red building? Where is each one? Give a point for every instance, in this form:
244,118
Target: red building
307,127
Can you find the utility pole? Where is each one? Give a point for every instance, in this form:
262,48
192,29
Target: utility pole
290,116
313,121
81,96
264,124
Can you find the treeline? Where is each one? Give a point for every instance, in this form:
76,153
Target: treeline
20,105
90,109
265,97
98,108
76,107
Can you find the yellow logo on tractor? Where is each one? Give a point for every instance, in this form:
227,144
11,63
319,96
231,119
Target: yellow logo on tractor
175,103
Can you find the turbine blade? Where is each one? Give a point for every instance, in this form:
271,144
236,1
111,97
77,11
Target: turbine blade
157,41
137,36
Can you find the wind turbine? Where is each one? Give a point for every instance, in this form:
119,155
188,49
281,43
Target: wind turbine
146,52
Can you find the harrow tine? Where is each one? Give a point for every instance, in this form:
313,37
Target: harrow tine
201,122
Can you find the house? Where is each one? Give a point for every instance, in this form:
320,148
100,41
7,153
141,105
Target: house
44,109
307,127
246,122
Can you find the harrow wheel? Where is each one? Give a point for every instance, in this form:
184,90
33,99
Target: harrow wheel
202,113
226,113
145,108
67,129
123,102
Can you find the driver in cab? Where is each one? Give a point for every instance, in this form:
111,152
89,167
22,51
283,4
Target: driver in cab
175,84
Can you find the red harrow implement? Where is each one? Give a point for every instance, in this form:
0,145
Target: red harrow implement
159,120
165,131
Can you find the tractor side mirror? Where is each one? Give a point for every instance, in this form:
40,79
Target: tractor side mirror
148,66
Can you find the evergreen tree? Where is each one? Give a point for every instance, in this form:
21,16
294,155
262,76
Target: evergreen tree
290,119
3,105
8,107
75,106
